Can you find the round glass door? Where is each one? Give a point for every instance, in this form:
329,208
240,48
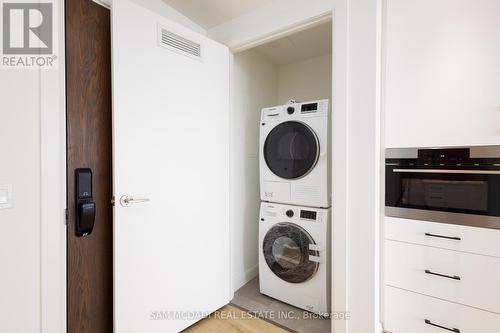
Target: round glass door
291,150
286,250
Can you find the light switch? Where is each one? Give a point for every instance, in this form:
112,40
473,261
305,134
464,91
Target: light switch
5,196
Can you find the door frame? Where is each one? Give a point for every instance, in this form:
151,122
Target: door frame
53,187
282,32
338,248
53,233
357,93
89,118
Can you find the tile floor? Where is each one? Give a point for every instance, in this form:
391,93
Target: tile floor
249,298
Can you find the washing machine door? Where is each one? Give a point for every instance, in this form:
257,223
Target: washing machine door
291,150
286,250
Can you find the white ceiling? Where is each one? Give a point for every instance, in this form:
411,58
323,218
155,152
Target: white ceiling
313,42
210,13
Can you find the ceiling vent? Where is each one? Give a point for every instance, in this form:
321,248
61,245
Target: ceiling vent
179,44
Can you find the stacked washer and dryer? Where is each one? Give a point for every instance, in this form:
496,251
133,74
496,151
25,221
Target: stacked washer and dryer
294,226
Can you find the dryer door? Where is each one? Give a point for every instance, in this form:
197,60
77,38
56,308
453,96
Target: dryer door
286,250
291,150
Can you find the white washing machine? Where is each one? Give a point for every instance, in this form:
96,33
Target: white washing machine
294,258
294,154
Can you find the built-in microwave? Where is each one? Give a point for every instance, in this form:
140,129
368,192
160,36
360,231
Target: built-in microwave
459,185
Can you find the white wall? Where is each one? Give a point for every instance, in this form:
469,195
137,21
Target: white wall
32,242
161,8
20,236
255,85
356,164
364,165
443,72
307,80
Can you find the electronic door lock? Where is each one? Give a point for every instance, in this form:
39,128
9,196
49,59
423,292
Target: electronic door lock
85,206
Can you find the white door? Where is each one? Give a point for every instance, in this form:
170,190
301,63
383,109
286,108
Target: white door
171,138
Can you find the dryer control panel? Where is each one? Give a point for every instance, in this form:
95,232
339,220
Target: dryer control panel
292,111
308,215
309,107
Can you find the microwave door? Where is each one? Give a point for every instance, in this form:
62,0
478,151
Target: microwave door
443,191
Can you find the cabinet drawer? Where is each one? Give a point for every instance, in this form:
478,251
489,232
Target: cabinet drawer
407,312
446,236
460,277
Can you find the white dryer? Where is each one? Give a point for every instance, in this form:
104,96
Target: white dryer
294,154
294,258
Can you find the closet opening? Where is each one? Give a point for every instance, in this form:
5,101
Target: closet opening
287,239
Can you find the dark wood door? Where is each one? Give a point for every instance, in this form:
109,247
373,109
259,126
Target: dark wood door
89,133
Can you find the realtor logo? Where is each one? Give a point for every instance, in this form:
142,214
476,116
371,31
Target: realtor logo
28,34
27,28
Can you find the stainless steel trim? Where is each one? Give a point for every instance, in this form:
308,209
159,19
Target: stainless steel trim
401,153
461,171
475,151
482,221
485,152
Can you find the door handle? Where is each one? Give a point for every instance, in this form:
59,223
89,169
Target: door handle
127,200
85,205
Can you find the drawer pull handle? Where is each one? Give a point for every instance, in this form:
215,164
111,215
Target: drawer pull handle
454,277
441,236
428,322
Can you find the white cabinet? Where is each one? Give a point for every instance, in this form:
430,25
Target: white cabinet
442,72
441,277
409,312
450,275
442,235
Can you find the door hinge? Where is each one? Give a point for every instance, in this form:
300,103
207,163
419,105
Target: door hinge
66,216
113,201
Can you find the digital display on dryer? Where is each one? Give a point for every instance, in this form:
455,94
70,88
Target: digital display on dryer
311,107
307,214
